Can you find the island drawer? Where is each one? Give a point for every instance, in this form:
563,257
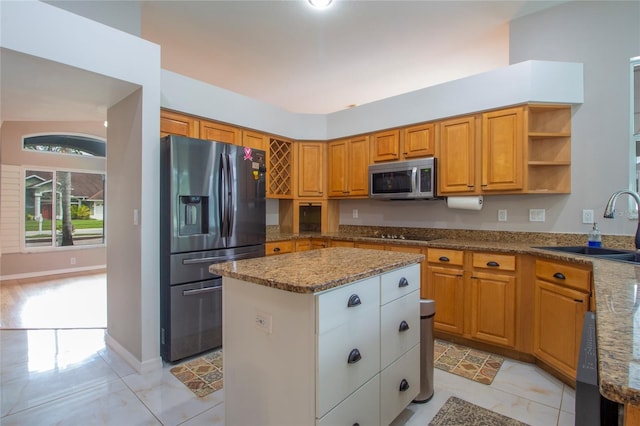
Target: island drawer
357,408
400,282
348,356
399,327
445,256
342,304
393,399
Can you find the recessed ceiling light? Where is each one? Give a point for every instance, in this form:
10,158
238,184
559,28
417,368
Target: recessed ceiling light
320,4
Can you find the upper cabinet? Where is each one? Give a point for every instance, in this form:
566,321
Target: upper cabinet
517,150
385,146
549,149
418,141
457,156
255,140
348,167
310,166
502,151
173,123
219,132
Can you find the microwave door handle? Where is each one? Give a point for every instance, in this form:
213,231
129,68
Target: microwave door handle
414,180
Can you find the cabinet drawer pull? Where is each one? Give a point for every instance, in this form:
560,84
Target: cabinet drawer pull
354,300
354,356
559,275
356,424
403,326
404,385
443,259
493,264
403,282
276,249
578,300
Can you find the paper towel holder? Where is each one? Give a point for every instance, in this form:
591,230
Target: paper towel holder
465,202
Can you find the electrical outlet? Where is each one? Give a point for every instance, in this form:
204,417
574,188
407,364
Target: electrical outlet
355,213
587,216
502,215
264,322
536,215
72,260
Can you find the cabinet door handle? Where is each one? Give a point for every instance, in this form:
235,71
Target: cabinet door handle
559,275
493,264
404,385
403,282
354,300
403,326
443,259
354,356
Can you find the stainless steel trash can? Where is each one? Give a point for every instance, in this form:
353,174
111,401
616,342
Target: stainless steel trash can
427,312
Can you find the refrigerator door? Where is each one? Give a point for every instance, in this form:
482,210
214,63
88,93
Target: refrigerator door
247,206
193,212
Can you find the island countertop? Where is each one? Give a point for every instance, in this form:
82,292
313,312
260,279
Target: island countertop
315,270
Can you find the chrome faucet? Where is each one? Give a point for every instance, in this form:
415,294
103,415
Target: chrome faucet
609,210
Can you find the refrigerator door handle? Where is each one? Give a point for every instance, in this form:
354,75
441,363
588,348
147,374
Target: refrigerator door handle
230,204
222,196
201,290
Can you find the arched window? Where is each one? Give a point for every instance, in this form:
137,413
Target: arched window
66,144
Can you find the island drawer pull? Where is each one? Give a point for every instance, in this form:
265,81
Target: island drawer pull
403,282
404,385
354,356
493,264
403,326
356,424
559,275
443,259
354,300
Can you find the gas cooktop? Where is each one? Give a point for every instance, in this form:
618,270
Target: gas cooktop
403,237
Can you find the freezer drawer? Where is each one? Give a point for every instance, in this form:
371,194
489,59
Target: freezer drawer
195,319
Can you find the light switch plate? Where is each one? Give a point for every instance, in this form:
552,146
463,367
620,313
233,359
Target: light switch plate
587,216
536,215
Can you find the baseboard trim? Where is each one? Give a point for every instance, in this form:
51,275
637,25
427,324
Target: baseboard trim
52,272
141,367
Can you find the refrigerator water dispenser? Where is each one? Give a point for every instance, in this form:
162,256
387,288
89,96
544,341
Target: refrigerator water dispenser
194,214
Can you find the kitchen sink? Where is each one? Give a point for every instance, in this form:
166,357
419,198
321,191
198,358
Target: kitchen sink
629,256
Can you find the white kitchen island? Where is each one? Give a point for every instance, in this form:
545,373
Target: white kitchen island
323,337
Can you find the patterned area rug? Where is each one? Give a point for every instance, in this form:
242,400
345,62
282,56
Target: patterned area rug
458,412
202,375
472,364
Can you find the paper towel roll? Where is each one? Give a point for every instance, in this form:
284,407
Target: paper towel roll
465,203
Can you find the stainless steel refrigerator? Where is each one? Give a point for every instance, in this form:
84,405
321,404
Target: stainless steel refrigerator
212,209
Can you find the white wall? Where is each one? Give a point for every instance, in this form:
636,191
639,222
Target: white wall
49,33
601,35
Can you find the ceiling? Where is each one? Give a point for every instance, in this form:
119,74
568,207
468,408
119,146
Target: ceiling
284,52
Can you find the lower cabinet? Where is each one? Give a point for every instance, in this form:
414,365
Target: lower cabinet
561,299
349,355
445,285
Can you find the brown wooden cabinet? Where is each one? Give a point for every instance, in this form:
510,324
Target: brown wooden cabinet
174,123
214,131
493,298
502,150
385,146
280,168
310,169
445,285
278,247
255,140
348,167
562,296
457,157
418,141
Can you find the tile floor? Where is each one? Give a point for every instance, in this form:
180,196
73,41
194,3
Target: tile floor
69,377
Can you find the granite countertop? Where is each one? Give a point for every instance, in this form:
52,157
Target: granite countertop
615,290
315,270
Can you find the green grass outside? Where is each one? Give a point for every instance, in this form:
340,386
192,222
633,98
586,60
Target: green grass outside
32,225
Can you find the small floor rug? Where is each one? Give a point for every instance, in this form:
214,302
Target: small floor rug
473,364
202,375
458,412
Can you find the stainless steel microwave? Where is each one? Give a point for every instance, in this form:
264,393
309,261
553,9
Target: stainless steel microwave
403,180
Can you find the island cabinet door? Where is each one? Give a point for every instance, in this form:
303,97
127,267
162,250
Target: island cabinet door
348,341
357,408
